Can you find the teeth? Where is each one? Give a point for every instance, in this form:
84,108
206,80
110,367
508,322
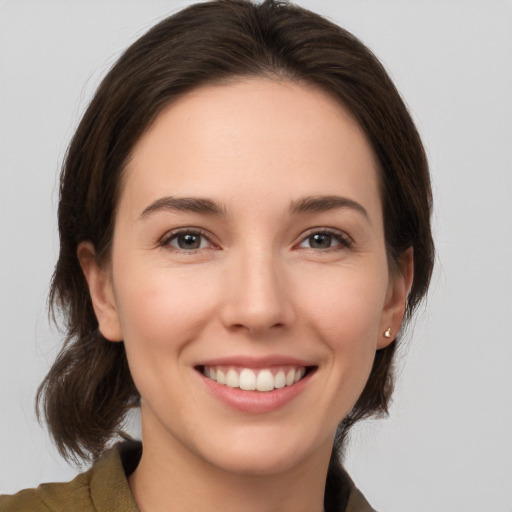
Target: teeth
259,380
220,377
265,381
299,374
247,380
232,379
280,379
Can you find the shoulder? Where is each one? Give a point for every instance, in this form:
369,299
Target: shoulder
341,494
358,503
54,497
104,488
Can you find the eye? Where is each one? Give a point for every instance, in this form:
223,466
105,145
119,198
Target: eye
322,240
187,241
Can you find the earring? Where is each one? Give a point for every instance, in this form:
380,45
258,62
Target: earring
387,333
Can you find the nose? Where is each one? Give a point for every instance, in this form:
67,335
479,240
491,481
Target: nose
257,294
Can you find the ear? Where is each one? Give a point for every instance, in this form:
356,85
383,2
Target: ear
400,283
100,287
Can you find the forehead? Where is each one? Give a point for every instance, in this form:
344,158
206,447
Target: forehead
254,136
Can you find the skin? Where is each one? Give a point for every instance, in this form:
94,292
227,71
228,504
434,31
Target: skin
256,286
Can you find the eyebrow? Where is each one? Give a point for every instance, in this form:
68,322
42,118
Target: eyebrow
184,204
326,203
205,206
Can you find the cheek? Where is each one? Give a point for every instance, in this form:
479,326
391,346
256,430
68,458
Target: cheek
345,300
343,309
160,311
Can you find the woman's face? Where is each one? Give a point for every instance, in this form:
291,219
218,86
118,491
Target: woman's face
249,251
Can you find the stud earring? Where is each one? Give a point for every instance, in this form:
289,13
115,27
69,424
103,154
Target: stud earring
387,333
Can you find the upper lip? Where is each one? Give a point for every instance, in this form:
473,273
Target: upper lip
245,361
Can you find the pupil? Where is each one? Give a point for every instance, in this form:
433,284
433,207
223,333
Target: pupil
189,241
320,241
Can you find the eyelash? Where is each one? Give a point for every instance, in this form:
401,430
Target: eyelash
343,240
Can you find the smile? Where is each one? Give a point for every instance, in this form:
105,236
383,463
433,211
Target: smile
261,379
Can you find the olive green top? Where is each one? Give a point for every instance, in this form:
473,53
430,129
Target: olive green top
104,488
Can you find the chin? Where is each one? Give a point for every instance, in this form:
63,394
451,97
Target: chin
262,454
258,463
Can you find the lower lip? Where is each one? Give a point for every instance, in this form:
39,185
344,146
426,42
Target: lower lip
256,402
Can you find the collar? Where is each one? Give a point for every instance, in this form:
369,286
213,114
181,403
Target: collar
110,491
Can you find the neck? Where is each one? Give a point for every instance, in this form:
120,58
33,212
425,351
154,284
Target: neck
169,478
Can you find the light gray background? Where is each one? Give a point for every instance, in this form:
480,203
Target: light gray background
448,443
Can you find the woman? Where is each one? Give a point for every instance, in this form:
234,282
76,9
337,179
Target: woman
244,222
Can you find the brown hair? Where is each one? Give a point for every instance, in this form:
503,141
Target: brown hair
89,389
